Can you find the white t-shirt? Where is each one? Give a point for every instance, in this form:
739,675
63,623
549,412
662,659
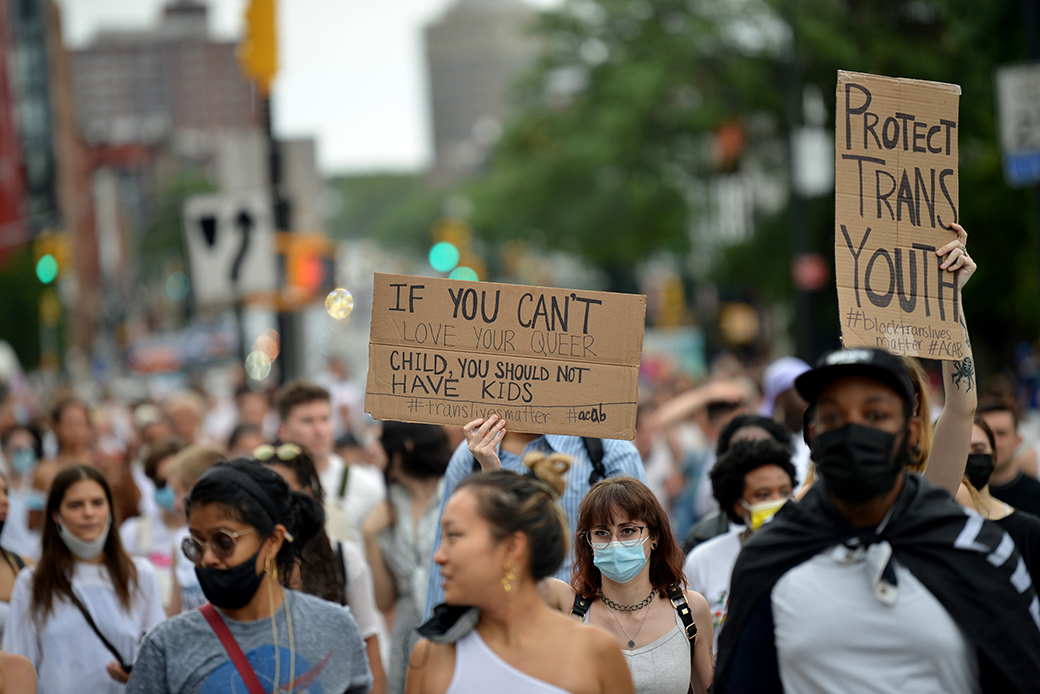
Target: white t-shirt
834,635
67,654
17,536
365,489
149,537
708,570
361,595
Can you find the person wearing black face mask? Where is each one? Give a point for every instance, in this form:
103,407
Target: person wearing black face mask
876,578
245,525
1024,528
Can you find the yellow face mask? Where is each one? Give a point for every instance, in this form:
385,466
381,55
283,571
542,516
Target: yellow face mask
761,513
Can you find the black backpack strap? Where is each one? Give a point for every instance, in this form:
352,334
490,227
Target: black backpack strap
581,605
678,599
19,561
342,577
90,620
594,447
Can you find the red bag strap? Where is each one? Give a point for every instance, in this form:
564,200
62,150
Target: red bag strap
232,648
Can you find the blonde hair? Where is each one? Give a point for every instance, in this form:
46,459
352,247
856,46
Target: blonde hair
188,465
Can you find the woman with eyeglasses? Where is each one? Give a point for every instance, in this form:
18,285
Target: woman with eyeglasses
80,613
334,571
244,525
628,582
503,534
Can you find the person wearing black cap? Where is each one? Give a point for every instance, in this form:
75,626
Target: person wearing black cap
876,581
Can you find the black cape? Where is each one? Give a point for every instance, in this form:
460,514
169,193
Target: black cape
951,553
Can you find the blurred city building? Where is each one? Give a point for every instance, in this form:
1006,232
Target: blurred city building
474,53
171,84
13,230
47,157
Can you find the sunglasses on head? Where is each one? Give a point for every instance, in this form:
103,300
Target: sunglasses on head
221,542
285,452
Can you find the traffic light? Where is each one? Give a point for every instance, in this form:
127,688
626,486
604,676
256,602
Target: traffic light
51,255
309,265
258,53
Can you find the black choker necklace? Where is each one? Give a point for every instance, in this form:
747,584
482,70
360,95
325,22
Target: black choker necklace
627,608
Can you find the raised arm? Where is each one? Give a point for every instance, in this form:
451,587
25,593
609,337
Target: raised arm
952,439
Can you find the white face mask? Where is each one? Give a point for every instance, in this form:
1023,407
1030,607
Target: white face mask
83,549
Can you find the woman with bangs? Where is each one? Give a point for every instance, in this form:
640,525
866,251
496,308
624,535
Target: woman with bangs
628,581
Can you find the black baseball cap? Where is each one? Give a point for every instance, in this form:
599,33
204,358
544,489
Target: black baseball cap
876,364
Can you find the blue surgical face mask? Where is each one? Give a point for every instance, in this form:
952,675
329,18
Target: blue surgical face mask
23,460
165,497
36,500
618,562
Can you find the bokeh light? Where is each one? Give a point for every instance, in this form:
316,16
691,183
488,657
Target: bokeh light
177,285
258,365
463,273
444,256
269,343
47,269
339,303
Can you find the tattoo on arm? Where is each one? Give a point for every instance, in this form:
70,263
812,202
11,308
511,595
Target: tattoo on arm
963,371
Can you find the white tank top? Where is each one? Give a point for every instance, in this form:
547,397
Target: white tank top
663,666
477,667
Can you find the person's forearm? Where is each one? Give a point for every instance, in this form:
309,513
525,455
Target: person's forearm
952,438
375,664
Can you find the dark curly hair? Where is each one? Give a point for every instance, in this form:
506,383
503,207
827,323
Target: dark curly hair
745,421
727,477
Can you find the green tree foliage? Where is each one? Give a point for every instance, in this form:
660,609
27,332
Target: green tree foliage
618,117
394,209
611,125
20,312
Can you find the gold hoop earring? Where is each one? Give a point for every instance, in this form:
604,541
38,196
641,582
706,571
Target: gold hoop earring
506,580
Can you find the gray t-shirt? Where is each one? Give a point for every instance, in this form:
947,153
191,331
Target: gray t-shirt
184,655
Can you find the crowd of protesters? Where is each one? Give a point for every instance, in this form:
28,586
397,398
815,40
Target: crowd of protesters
865,525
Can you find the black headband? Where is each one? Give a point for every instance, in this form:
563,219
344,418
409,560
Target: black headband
227,473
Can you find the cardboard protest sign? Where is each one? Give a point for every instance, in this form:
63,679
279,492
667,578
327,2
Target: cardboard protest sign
551,361
896,193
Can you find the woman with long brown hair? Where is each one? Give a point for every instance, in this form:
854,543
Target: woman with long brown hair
80,613
628,581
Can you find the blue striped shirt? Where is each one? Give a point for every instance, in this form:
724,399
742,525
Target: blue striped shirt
620,459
